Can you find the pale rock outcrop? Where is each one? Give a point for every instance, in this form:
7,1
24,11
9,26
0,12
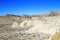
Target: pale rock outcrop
14,25
50,25
47,25
30,27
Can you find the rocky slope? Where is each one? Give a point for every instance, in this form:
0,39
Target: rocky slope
36,27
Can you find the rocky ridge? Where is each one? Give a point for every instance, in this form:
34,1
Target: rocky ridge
36,27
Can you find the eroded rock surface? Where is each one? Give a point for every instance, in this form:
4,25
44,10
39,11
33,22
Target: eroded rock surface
41,27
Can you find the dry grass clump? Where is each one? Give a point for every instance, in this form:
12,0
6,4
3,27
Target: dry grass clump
56,36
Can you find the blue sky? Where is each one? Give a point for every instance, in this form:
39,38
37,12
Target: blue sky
29,7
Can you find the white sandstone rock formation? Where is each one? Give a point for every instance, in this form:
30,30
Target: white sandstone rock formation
47,25
50,25
14,25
